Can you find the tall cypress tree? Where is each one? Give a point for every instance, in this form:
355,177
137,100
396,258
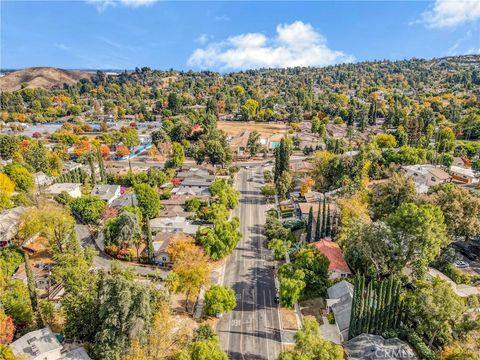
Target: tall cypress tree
324,217
328,226
308,238
367,311
101,166
32,288
378,313
386,323
150,249
92,168
373,299
354,312
318,225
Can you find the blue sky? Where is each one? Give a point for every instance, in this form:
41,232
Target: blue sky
229,36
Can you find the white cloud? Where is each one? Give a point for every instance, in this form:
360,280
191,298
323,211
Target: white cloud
450,13
203,39
295,44
103,4
222,18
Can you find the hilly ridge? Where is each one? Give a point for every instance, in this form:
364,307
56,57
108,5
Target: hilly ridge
41,77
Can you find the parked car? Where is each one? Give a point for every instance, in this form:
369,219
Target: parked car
461,264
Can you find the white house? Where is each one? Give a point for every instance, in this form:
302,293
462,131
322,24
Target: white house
72,189
38,345
176,224
340,299
9,222
464,175
426,176
43,345
107,193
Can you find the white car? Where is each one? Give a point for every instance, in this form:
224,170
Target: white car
461,264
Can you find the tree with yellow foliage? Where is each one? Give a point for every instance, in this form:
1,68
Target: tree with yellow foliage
190,269
167,337
306,184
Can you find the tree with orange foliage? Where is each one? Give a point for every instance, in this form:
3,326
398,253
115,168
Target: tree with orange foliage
122,151
105,151
82,147
7,328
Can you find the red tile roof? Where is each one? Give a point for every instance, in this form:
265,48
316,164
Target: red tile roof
334,254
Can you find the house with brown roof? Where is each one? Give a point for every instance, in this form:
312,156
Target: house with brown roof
338,267
426,176
238,143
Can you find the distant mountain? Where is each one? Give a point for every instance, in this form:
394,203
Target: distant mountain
41,77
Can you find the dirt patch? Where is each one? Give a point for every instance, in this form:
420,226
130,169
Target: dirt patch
288,318
313,307
266,129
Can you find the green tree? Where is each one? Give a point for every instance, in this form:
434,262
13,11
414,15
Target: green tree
36,155
219,299
178,156
22,178
279,248
309,344
89,208
224,193
15,300
148,200
418,234
284,184
386,197
435,309
249,109
308,237
253,143
220,240
292,286
8,146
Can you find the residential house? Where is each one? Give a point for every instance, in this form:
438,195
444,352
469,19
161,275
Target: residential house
301,167
194,181
38,345
41,273
173,225
464,175
238,143
72,189
304,209
160,245
107,193
426,176
340,299
127,199
313,196
338,267
42,180
9,223
373,347
76,354
43,344
182,199
71,165
172,211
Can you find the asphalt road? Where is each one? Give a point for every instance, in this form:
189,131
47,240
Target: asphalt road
252,330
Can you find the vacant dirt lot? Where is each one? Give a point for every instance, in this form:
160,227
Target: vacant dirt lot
266,129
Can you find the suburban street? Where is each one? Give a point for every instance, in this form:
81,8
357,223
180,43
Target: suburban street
252,330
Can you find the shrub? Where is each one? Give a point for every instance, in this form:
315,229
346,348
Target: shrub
331,318
417,343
